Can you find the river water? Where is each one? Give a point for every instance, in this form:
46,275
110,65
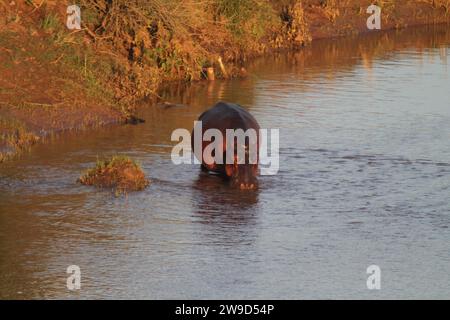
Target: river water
364,180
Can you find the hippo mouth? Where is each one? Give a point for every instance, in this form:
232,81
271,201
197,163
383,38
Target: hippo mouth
244,185
247,186
242,176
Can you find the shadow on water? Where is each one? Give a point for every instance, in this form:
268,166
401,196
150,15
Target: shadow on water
217,203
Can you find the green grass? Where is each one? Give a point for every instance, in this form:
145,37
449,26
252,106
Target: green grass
50,22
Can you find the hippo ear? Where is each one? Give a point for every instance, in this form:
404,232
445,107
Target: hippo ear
229,169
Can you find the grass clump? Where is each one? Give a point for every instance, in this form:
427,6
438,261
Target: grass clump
120,173
14,138
50,22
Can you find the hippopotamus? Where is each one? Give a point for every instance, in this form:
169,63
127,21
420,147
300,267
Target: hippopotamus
240,172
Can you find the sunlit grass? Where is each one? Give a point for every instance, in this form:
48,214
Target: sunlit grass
119,173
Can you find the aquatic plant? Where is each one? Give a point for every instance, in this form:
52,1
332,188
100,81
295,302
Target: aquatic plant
119,173
14,138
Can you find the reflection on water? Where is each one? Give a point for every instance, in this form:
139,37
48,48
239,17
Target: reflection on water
364,179
215,197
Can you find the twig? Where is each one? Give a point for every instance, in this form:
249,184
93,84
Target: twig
90,33
110,53
44,104
36,7
222,67
59,58
94,36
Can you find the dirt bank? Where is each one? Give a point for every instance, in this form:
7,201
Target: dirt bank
54,79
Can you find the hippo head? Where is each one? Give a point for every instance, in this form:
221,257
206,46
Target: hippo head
242,176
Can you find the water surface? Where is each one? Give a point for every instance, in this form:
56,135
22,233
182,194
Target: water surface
364,179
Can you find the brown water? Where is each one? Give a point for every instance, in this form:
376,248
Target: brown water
364,179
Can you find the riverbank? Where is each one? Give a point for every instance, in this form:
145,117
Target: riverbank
54,79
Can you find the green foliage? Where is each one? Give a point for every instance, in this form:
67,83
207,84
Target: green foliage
50,22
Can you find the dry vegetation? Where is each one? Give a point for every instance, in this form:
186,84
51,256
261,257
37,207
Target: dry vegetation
14,138
171,39
55,79
128,47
